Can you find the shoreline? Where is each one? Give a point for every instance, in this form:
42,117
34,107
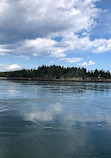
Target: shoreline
61,79
3,78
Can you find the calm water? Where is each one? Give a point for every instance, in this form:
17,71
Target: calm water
55,120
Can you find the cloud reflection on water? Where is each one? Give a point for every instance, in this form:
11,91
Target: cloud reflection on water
62,119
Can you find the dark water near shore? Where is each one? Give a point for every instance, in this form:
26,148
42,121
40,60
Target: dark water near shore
55,120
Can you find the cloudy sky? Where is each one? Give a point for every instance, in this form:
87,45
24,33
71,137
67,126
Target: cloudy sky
61,32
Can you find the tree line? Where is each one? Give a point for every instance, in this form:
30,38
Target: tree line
56,72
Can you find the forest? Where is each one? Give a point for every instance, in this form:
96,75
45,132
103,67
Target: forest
57,72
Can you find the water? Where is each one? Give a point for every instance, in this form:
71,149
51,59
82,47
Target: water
55,119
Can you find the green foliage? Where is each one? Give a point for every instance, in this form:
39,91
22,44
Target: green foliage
3,74
56,72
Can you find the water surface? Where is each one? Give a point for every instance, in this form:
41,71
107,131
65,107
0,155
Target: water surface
55,119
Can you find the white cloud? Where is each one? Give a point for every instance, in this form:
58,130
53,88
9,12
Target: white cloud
28,28
51,61
71,60
34,18
3,50
87,63
13,66
102,45
9,67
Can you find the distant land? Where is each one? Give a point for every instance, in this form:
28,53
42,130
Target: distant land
58,73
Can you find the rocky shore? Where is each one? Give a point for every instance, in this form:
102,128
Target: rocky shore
61,79
3,78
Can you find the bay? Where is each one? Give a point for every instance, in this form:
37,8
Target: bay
55,119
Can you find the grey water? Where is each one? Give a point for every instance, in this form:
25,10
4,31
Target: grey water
55,119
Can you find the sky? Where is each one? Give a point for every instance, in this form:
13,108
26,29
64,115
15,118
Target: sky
55,32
